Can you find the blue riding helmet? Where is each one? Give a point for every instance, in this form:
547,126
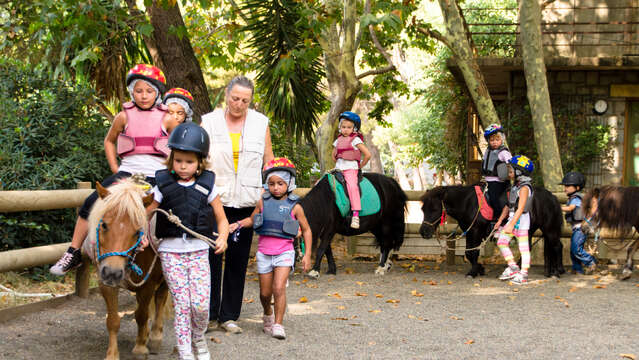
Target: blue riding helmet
190,136
351,116
492,129
522,163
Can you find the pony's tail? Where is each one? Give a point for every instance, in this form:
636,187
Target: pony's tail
397,199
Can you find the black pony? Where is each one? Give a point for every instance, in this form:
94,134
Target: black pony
460,202
325,220
617,208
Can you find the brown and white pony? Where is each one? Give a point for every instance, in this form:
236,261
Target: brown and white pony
117,222
616,208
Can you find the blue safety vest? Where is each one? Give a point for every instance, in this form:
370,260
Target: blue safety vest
275,218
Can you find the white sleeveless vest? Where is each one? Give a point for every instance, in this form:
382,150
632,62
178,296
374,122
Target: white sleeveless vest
241,189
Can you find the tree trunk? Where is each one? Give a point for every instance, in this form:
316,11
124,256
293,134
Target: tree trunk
375,161
176,58
417,180
399,168
457,40
538,96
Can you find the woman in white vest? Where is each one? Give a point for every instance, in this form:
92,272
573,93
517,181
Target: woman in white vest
240,144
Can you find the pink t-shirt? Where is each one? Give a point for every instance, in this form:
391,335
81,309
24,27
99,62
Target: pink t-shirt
272,245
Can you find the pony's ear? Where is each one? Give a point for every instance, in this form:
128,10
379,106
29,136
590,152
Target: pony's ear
102,192
147,200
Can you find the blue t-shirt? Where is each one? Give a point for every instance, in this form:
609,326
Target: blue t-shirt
577,202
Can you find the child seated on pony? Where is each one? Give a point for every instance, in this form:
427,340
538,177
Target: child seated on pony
349,148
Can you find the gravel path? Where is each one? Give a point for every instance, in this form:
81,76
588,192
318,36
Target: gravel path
417,311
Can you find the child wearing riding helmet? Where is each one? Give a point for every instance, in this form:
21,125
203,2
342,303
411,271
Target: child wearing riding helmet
347,153
179,104
277,219
574,183
188,190
137,138
494,167
518,224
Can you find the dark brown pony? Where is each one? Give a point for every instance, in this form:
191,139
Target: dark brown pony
616,208
116,223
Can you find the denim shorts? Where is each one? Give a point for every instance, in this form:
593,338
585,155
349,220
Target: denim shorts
266,263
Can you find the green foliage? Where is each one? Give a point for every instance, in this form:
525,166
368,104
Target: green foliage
288,62
51,138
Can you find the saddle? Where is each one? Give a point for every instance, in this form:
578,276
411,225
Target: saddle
371,203
485,210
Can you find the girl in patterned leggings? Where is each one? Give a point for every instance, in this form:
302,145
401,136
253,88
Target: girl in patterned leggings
188,190
518,224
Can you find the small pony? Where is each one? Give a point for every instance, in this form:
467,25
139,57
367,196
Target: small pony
617,208
117,223
325,221
460,202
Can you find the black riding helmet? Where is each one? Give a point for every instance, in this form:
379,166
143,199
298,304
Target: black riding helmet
189,136
574,178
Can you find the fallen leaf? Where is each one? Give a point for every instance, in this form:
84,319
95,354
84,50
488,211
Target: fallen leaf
411,316
405,265
349,270
558,297
628,356
354,317
476,285
311,286
572,289
371,343
374,311
432,282
542,294
360,283
637,285
330,279
415,279
411,269
471,341
341,307
303,299
450,282
515,290
512,297
456,318
379,295
339,318
298,283
445,272
360,294
305,281
216,340
417,294
355,324
436,268
418,302
248,301
599,286
337,295
392,301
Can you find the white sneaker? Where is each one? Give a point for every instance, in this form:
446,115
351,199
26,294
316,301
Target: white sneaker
201,350
355,222
268,321
231,327
278,331
520,278
509,273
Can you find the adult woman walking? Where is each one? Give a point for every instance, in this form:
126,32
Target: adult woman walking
240,144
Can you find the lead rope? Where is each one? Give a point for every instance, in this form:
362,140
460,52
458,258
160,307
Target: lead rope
175,220
445,247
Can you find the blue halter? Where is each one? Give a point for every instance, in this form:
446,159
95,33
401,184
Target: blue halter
131,263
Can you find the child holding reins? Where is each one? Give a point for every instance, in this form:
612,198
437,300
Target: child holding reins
188,190
277,219
348,151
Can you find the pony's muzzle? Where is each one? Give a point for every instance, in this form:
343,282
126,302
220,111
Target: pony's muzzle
425,231
111,276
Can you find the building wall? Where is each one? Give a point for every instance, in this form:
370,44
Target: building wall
573,94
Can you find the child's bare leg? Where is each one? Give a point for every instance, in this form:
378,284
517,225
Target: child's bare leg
266,292
279,291
79,232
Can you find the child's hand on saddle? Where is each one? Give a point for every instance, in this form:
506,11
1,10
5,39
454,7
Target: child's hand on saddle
220,246
306,262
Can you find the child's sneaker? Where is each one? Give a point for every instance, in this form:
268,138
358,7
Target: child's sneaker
68,261
590,269
201,350
520,278
268,321
355,222
278,331
509,273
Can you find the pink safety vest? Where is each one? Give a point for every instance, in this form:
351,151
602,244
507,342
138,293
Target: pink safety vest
345,148
143,132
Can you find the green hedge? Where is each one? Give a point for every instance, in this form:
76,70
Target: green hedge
51,138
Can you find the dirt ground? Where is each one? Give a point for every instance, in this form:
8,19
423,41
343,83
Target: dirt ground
420,310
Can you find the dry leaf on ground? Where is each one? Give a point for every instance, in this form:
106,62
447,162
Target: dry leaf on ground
416,293
303,299
379,295
216,340
360,294
628,356
392,301
375,311
599,286
471,341
339,318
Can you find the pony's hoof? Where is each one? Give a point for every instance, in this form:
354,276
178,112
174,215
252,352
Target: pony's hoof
140,352
154,346
314,274
625,274
380,270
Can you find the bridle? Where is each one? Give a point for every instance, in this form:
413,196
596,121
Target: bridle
130,258
441,219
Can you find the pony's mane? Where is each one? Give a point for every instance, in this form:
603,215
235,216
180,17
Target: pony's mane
617,207
125,199
439,192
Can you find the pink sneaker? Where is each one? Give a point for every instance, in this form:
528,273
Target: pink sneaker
278,331
268,321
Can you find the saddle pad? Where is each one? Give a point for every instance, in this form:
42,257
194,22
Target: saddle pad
369,197
485,209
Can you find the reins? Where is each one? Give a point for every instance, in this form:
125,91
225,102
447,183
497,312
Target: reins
131,259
